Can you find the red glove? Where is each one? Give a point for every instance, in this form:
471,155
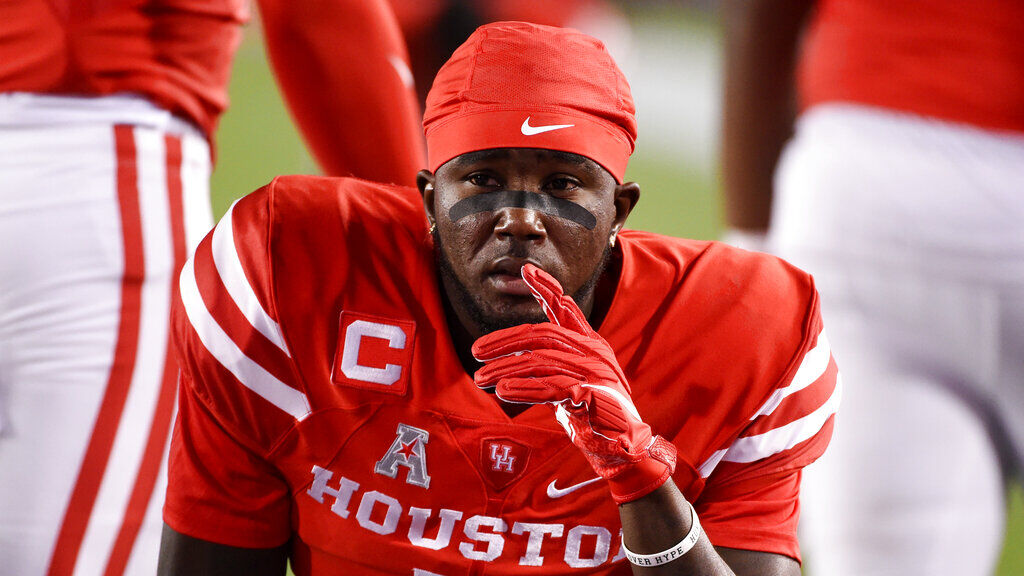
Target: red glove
567,364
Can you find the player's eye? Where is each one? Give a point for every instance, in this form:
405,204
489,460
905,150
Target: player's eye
562,184
482,179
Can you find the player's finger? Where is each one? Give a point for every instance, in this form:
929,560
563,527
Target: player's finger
545,336
558,307
550,390
502,343
528,365
617,397
606,418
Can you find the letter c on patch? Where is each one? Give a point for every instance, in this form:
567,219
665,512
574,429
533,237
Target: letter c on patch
354,335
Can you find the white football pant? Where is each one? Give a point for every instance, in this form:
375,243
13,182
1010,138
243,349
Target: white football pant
100,200
914,232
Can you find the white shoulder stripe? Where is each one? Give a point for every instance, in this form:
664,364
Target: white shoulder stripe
754,448
813,365
229,266
230,356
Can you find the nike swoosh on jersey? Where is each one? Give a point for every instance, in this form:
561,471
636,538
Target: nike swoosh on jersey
534,130
554,492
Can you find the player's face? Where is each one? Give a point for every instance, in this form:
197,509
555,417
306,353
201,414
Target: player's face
496,210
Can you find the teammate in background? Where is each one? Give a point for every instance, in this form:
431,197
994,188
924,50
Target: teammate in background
433,29
107,110
334,404
901,192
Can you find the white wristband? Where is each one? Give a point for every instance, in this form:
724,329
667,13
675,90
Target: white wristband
659,558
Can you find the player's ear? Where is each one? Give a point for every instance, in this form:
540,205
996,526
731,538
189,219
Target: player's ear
425,182
626,196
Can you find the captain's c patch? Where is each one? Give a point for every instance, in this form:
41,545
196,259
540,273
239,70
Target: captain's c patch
373,353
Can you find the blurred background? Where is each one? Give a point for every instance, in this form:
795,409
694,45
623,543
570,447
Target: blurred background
669,50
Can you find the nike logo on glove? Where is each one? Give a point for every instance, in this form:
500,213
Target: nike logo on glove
534,130
554,492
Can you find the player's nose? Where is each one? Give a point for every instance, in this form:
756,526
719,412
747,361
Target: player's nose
522,224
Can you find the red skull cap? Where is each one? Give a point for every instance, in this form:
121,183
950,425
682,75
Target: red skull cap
522,85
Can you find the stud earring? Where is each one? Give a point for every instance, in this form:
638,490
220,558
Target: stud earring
433,228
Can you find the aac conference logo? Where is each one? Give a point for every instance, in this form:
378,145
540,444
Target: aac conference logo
374,353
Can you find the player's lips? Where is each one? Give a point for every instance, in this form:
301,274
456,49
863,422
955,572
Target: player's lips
505,275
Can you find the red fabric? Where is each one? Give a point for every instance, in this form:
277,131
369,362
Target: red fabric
508,73
254,422
343,480
740,492
564,362
345,90
234,497
765,510
957,60
178,56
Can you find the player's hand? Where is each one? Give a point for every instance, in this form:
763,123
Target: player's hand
566,363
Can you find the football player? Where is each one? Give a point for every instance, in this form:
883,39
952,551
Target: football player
500,378
107,114
901,192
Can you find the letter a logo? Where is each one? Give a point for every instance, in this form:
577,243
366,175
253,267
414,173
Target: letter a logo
409,450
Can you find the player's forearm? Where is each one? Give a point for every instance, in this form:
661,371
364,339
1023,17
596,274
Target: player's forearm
341,66
182,555
659,521
761,40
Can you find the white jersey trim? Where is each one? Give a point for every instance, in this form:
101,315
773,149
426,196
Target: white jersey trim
229,266
814,364
230,356
753,448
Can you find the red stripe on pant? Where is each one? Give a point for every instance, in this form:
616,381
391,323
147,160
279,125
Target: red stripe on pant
149,469
97,454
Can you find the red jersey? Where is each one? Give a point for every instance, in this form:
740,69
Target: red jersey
178,53
322,399
957,60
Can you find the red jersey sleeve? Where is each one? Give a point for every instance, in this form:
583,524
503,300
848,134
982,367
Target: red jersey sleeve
759,514
238,391
343,69
751,496
219,490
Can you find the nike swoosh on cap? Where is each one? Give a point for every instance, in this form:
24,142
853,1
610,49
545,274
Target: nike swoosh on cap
554,492
534,130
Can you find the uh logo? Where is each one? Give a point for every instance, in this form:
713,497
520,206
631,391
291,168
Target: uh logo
502,461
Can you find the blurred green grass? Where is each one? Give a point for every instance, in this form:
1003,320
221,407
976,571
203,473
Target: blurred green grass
257,141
